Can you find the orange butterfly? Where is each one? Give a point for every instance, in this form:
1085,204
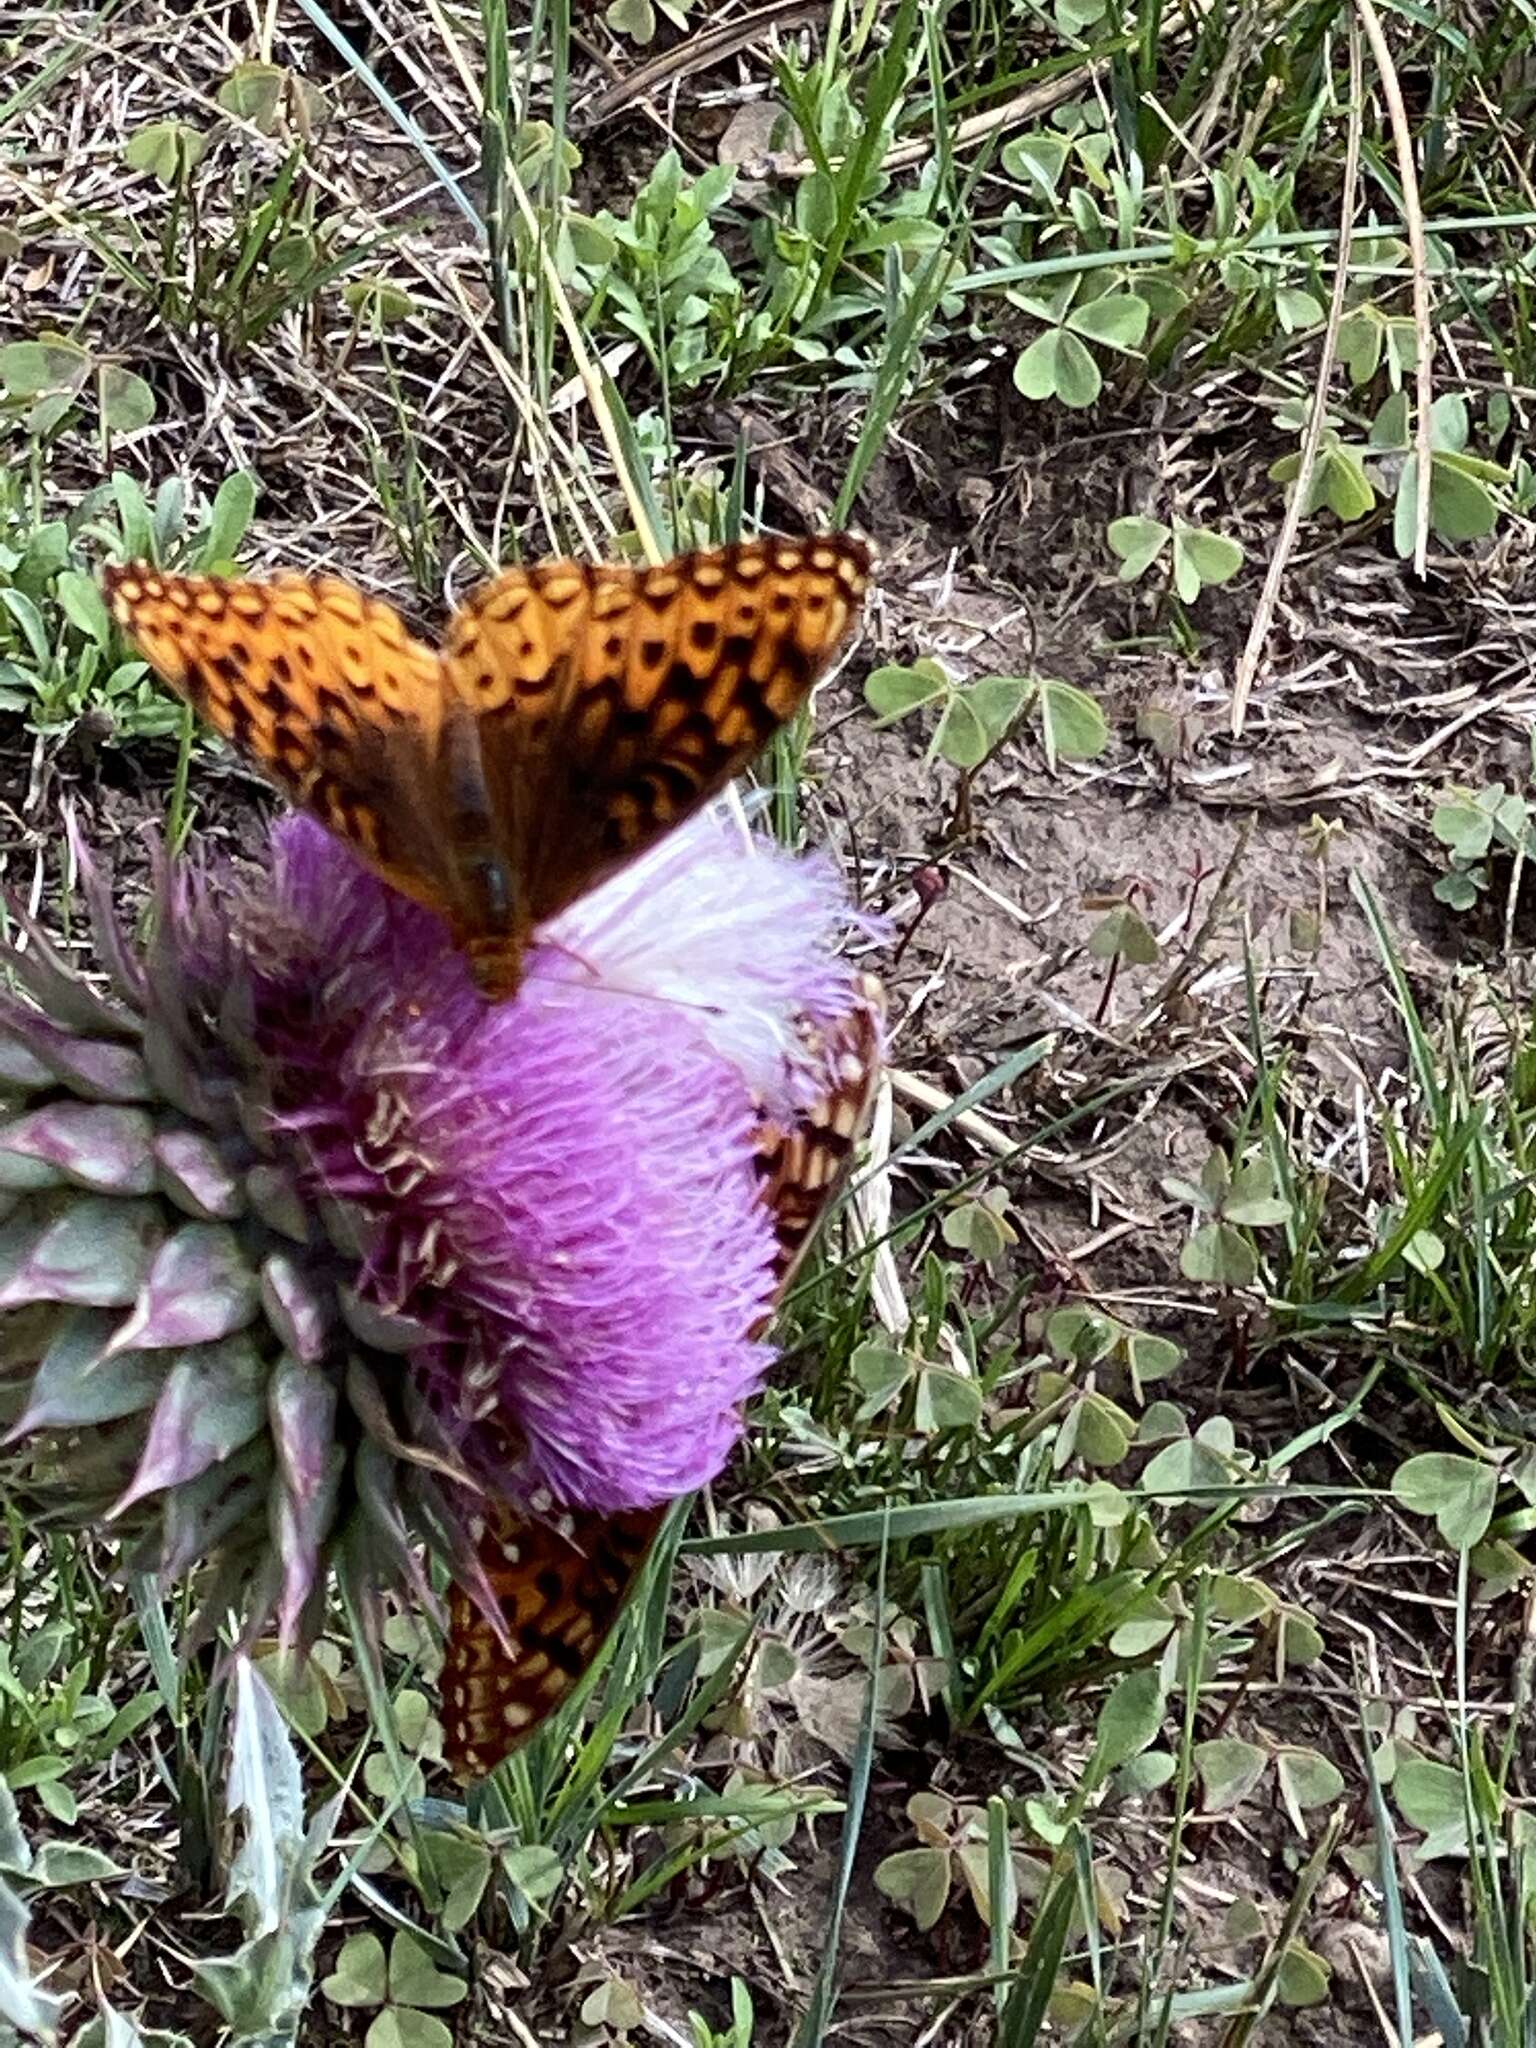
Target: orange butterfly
573,715
560,1583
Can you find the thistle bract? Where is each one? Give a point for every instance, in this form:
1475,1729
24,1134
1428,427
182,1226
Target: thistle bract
306,1250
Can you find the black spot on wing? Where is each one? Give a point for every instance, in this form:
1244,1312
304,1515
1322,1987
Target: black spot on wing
665,784
684,684
565,1657
793,659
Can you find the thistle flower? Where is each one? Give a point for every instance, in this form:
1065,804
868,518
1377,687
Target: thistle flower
308,1253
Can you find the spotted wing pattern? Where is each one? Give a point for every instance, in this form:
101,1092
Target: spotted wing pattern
802,1167
322,688
575,713
611,703
561,1581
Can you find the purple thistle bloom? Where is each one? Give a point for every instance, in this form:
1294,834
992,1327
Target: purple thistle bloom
303,1235
562,1188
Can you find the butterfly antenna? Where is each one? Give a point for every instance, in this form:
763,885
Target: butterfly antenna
644,995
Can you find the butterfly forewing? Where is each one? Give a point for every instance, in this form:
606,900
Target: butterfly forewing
321,687
561,1583
612,702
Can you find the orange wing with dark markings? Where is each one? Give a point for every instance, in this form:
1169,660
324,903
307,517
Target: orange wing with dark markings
611,702
561,1583
325,691
575,714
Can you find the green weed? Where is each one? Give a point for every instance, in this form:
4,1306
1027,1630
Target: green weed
61,660
237,245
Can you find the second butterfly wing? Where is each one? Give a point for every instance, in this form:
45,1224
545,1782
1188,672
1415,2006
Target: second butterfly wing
611,703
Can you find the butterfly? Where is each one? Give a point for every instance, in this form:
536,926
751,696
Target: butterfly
561,1582
573,714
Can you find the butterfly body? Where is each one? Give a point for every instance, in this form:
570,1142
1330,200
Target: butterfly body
573,714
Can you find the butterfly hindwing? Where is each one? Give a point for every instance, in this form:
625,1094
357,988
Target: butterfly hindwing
802,1165
562,1583
560,1587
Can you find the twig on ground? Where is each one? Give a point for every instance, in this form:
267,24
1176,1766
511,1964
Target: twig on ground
926,1096
1413,216
709,46
1295,511
1189,965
